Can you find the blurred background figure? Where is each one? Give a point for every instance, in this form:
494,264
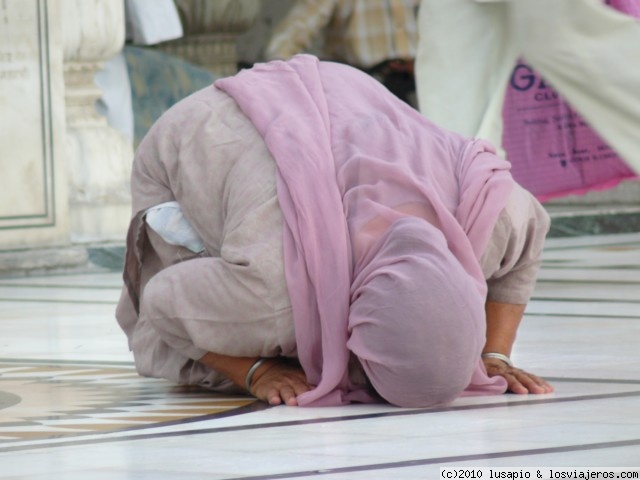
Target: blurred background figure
587,51
377,36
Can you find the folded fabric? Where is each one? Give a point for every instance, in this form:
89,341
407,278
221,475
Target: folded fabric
358,161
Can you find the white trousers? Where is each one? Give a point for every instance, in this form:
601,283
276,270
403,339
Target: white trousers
587,51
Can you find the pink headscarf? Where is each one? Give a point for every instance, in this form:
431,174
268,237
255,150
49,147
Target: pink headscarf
386,216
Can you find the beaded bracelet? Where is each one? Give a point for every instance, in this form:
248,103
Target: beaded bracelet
498,356
252,370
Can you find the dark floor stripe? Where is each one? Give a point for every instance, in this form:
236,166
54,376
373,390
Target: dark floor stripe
614,381
445,460
94,363
292,423
52,362
586,300
57,300
54,286
582,315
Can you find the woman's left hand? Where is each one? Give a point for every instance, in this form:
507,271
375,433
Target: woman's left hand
518,381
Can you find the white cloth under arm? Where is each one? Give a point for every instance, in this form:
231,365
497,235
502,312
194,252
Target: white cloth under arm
170,223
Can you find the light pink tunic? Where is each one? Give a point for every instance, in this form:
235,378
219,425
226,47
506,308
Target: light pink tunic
348,174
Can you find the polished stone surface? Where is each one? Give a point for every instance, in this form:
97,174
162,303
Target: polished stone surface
72,407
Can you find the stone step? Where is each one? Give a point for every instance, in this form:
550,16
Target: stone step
616,210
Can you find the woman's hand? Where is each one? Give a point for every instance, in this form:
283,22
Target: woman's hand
277,382
503,320
518,381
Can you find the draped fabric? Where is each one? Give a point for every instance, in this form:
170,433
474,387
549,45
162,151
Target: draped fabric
358,172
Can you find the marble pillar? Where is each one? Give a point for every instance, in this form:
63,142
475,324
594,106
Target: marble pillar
211,28
99,157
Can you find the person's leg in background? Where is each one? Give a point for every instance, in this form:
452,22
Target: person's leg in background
463,63
590,54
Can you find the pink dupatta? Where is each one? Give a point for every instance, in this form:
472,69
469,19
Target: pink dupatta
352,160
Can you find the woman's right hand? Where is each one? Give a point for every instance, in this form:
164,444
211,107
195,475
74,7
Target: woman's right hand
279,382
518,381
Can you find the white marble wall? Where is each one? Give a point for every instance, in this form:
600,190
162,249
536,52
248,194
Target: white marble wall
33,194
65,172
65,175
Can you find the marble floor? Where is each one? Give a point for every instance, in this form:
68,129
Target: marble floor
73,408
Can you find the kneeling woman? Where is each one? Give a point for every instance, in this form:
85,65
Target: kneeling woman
300,233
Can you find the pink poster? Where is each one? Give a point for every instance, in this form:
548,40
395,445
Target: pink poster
630,7
553,151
